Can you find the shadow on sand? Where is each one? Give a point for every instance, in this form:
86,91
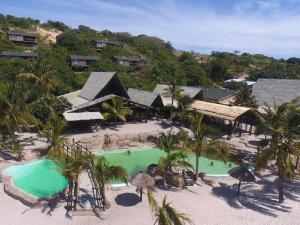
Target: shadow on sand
261,196
127,199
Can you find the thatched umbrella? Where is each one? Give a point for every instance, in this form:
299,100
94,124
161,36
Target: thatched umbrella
142,180
242,173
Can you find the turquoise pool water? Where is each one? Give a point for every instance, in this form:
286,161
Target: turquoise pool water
39,178
139,159
42,179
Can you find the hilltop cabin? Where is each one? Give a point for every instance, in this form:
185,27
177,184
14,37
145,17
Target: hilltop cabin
137,63
102,44
79,62
23,39
223,96
10,55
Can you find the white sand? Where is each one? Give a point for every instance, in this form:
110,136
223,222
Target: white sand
206,205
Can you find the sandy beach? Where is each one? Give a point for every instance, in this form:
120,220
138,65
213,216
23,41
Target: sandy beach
206,205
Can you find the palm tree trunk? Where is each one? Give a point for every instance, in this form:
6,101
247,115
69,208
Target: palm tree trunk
197,167
239,188
103,194
165,180
70,193
280,186
76,187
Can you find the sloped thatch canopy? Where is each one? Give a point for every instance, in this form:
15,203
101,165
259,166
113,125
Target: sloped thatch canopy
219,111
192,92
276,91
146,98
98,85
82,116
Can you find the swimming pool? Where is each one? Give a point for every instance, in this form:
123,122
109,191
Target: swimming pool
139,159
39,178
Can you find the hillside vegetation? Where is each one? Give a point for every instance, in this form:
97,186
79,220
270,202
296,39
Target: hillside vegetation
164,62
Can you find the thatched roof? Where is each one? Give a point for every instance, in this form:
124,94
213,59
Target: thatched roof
192,92
92,103
82,116
219,111
217,94
277,91
74,99
98,81
144,97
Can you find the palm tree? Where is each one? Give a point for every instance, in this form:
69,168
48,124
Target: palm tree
41,75
184,102
245,97
71,165
17,148
15,113
53,131
283,127
166,214
103,173
172,159
116,111
174,91
200,143
167,142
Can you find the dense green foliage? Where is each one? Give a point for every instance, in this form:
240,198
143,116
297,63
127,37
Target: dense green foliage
50,75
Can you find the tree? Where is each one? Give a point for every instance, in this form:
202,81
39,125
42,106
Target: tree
200,144
166,214
219,69
103,173
14,112
17,148
282,125
172,159
174,91
41,75
53,131
184,102
167,142
116,111
245,97
71,165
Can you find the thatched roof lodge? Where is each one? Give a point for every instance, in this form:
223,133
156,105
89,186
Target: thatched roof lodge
278,91
11,55
102,87
98,85
235,115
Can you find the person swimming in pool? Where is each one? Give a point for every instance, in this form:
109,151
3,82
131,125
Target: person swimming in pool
129,152
211,163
